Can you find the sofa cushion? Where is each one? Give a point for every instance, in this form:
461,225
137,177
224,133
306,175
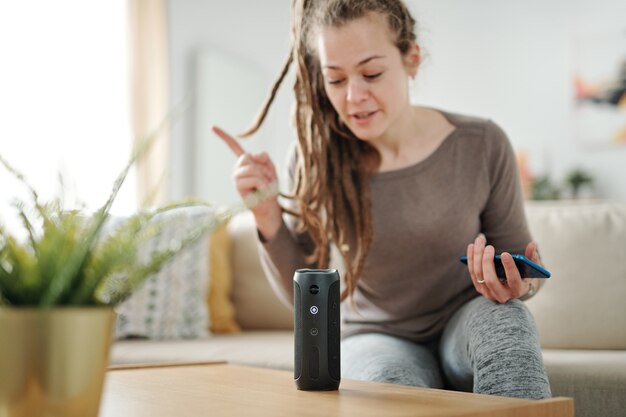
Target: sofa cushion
595,379
269,349
584,303
256,304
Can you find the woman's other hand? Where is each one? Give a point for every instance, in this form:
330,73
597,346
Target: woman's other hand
480,262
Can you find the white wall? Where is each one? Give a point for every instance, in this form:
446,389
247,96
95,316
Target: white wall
245,33
512,61
508,60
64,102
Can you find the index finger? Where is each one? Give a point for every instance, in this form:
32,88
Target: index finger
230,141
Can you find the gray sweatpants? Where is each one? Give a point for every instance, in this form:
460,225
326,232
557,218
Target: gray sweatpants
486,348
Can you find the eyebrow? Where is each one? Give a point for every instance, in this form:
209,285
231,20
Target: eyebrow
365,61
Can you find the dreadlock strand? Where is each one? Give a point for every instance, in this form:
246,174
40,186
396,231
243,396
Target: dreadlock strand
260,118
333,169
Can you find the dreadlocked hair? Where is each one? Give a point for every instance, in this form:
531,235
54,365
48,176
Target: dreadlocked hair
333,167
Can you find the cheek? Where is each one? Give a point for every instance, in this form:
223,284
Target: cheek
403,88
393,95
334,96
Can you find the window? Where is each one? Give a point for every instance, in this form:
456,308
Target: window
64,100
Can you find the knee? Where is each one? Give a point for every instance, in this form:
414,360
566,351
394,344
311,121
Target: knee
512,315
504,350
382,358
504,326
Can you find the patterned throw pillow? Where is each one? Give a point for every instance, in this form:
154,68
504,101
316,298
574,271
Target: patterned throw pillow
171,304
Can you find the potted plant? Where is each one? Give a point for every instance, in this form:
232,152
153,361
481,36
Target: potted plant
542,188
58,288
577,179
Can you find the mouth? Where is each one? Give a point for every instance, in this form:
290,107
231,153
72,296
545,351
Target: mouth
363,116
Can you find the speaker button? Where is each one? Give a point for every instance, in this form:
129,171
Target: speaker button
313,309
314,332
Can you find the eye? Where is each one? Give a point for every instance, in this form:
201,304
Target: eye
373,76
335,82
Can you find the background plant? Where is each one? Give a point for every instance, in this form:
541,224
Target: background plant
68,259
576,179
542,188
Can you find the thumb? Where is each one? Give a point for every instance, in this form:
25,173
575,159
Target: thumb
261,157
531,252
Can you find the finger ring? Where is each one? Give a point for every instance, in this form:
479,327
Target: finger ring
480,281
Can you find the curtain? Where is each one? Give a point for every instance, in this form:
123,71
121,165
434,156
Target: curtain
149,85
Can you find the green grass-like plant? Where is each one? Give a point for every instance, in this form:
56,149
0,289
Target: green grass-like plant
67,258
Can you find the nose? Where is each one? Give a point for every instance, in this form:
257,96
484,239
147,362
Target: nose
357,91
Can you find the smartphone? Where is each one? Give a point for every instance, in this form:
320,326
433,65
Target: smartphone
526,267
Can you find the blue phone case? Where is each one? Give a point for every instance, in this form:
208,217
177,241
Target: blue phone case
526,267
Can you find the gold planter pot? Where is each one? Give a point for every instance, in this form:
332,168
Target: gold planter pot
53,362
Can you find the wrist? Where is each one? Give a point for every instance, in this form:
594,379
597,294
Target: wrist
533,288
268,224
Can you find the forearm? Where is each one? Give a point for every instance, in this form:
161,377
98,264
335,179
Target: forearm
280,257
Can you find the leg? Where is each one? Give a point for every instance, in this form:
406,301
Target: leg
494,349
382,358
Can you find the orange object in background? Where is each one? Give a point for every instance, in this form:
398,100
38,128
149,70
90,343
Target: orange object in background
525,174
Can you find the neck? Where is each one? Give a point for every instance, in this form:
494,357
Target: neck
417,134
404,136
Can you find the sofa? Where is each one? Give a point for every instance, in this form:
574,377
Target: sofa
579,312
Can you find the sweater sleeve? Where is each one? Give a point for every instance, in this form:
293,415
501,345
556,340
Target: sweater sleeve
503,218
287,251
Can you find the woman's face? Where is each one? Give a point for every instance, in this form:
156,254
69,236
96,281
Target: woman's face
365,75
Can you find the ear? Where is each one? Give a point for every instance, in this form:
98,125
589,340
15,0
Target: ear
412,59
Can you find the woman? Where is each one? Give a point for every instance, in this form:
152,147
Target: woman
401,190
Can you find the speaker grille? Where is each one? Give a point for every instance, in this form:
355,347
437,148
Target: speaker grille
334,364
297,311
314,363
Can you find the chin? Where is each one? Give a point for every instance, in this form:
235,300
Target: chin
366,134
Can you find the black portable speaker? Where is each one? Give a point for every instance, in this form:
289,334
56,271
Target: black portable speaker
316,314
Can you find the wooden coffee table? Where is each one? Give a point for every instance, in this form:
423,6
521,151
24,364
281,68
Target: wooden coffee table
223,390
